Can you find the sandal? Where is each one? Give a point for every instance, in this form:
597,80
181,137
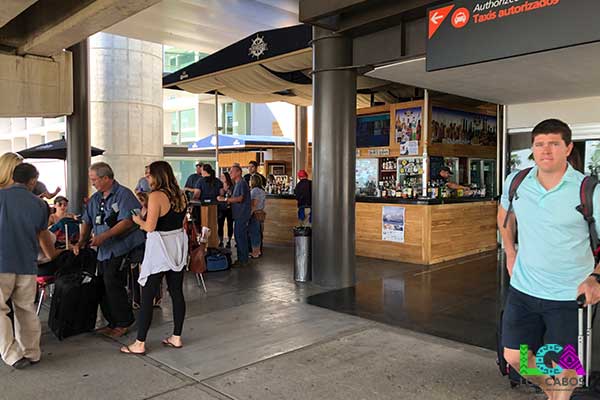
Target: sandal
168,343
127,350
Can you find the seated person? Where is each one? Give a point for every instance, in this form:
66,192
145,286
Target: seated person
61,204
47,254
61,221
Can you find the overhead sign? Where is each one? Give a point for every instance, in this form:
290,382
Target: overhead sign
464,32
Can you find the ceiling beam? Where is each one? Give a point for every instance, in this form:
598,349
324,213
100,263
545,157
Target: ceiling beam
49,26
12,8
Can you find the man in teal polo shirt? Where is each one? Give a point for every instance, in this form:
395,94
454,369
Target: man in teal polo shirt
553,263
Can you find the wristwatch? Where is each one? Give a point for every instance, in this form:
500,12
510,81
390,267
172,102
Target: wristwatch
596,276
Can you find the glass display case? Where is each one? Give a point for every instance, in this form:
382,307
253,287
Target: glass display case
367,174
482,174
410,177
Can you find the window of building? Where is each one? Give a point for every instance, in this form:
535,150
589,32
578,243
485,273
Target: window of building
183,126
174,59
184,167
235,118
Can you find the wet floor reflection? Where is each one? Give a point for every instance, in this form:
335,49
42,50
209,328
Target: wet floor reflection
456,300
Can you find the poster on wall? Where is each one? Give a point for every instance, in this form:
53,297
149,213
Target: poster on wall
461,127
408,130
392,229
592,157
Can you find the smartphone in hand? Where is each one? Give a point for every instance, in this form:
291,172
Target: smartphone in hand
135,211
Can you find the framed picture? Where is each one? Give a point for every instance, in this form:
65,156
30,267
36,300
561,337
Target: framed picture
277,169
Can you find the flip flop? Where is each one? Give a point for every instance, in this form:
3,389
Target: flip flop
127,350
168,343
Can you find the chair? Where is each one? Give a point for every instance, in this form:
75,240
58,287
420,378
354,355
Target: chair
43,282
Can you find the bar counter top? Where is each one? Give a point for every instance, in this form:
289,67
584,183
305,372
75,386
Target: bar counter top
399,200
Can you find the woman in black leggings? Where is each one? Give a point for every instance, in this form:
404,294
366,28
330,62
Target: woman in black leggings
165,254
225,212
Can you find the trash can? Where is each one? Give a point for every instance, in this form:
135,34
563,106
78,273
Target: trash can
302,253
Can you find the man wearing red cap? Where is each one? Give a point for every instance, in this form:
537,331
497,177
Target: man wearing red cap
304,196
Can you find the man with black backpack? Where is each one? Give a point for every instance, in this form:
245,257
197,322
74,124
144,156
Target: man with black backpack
554,262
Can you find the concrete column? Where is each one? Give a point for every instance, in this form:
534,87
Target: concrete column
301,140
78,130
334,159
126,101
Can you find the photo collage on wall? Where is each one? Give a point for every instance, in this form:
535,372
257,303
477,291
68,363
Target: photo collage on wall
408,130
461,127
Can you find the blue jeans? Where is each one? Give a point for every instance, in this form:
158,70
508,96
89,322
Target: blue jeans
240,231
255,234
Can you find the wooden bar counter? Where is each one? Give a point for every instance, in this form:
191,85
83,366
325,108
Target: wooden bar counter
435,230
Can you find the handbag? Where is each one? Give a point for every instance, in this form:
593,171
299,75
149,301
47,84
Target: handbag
260,215
197,263
197,260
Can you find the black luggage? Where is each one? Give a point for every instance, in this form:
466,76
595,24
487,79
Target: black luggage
76,297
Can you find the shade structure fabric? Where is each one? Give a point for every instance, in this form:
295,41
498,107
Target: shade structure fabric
279,69
240,142
56,149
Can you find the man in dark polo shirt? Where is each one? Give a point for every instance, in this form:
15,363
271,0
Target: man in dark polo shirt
253,170
23,222
108,216
192,181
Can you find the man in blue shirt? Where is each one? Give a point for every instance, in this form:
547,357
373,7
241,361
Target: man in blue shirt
143,185
241,208
553,263
192,181
23,222
108,216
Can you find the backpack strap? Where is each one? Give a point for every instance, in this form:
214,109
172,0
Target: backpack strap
586,208
512,191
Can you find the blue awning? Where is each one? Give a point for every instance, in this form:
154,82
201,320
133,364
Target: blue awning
240,142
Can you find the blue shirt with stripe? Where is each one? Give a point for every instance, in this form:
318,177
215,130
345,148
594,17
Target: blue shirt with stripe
554,255
22,216
125,201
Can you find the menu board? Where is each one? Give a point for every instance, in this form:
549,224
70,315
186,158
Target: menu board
407,124
461,127
373,130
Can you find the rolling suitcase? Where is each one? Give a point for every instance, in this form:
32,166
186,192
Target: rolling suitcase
77,293
591,384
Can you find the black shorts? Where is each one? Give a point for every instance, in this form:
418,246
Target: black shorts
533,321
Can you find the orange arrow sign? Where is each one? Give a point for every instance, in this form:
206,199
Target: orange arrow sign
436,17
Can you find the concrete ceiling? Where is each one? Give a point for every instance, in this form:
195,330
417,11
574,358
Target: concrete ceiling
571,72
46,27
206,25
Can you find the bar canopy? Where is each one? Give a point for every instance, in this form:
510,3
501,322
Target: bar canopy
270,66
241,142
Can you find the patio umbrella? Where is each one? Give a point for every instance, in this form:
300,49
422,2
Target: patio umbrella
56,149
